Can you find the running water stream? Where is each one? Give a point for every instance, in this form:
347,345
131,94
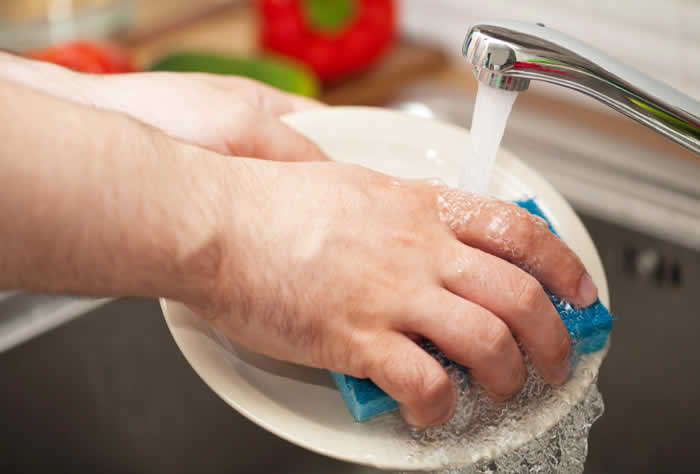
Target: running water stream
491,112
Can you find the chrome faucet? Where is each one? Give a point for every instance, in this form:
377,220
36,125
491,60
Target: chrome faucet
508,55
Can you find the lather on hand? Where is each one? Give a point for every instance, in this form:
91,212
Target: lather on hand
319,263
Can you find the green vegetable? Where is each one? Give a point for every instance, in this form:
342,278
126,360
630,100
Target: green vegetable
281,73
329,14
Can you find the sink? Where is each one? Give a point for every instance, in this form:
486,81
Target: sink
649,380
110,392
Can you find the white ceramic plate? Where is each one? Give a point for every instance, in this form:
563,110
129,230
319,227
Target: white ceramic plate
301,404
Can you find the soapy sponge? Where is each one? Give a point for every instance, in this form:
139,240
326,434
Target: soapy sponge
588,329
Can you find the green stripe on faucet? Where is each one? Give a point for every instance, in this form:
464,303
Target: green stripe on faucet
643,105
665,117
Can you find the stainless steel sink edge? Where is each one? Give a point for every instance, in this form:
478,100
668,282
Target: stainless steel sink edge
24,316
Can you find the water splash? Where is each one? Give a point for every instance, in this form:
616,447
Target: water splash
491,112
560,450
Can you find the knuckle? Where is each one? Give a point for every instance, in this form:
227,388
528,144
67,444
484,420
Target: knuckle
455,310
512,230
527,232
558,353
433,387
572,267
339,355
510,386
497,340
407,239
529,294
414,383
427,193
503,382
365,362
397,377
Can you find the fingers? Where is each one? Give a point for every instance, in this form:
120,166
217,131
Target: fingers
519,300
265,98
412,377
472,336
276,102
510,232
279,103
266,137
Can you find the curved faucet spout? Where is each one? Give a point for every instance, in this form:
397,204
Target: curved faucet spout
508,55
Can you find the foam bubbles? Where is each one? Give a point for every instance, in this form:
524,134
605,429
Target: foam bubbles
496,224
561,449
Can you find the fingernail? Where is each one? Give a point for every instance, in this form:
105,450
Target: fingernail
587,291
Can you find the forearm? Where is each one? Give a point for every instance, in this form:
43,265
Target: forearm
96,203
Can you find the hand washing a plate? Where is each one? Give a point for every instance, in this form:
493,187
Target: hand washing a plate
544,428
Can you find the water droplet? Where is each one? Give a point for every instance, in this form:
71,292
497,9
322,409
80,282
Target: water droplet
437,182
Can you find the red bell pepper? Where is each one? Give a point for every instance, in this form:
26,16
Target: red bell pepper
86,56
332,37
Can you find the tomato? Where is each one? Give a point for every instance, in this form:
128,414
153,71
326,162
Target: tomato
86,56
333,37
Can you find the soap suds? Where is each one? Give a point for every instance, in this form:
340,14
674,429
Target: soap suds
493,220
561,449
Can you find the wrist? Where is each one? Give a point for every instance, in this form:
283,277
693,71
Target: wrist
51,79
212,224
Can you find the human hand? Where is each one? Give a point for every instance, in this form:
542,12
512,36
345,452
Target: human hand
229,115
338,267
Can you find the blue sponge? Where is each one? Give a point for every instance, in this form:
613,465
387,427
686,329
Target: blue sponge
588,329
365,400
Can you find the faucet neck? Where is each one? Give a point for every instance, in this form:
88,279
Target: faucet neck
508,55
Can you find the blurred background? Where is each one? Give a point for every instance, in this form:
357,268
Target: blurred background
99,386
